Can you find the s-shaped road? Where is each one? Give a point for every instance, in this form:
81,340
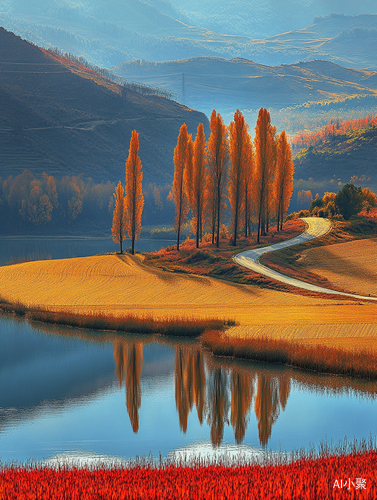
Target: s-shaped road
316,227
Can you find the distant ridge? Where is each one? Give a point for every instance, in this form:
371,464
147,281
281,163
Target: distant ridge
65,123
206,82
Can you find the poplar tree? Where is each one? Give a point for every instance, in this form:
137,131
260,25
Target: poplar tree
265,158
248,183
134,193
181,155
118,229
196,183
238,157
217,159
284,179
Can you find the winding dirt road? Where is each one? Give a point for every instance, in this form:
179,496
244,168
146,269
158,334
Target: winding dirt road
316,227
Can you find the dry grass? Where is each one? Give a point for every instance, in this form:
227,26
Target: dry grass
360,363
178,327
348,266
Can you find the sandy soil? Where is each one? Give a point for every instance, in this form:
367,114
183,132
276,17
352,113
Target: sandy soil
109,284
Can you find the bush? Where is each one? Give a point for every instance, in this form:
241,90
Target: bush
349,200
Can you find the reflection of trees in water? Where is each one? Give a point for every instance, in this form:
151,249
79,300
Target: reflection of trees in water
266,406
227,391
242,387
221,395
189,383
218,403
129,363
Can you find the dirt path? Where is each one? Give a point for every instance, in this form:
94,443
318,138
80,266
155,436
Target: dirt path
317,227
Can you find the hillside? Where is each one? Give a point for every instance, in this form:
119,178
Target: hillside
67,123
339,157
307,88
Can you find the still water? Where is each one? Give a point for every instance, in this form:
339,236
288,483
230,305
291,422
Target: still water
16,248
78,393
67,392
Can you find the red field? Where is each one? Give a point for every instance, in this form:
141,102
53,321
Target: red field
350,476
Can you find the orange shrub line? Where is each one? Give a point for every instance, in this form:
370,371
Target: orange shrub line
361,363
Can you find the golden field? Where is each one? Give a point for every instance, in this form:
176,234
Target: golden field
120,285
350,266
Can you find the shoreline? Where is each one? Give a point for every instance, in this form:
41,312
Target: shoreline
211,334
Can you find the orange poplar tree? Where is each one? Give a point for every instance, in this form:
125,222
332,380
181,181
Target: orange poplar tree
265,158
217,159
181,157
134,193
248,182
238,155
118,229
284,179
195,183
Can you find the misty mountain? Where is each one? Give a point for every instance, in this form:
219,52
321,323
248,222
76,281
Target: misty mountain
314,88
264,18
66,123
110,32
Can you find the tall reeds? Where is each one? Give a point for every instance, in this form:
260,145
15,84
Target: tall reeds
128,323
359,363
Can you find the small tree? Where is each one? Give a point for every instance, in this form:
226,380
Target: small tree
118,229
349,200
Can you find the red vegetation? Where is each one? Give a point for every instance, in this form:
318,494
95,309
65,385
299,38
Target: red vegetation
304,139
343,476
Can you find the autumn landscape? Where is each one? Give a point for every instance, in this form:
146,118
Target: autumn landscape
188,228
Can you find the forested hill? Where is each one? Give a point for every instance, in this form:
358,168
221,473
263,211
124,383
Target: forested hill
66,123
339,153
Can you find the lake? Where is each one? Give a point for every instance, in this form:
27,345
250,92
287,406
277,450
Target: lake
70,394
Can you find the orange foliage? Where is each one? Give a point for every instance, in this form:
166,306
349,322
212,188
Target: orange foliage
248,184
181,163
284,178
217,174
339,127
195,182
265,157
239,151
134,193
118,229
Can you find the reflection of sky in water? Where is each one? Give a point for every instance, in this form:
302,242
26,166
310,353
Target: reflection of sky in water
60,394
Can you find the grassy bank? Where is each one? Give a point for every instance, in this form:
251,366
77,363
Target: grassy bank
360,363
127,323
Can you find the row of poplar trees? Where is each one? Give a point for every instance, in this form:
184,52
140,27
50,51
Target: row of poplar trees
256,177
129,201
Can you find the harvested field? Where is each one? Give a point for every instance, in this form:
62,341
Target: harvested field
351,266
110,284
